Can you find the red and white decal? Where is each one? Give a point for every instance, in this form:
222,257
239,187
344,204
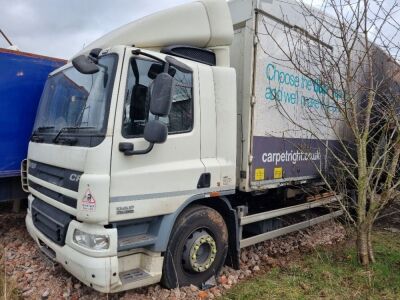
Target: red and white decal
88,201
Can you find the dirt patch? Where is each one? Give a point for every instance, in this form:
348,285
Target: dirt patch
36,278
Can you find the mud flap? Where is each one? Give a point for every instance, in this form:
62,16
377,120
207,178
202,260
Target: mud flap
233,255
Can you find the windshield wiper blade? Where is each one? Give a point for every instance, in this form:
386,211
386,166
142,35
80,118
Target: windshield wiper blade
35,137
56,138
40,128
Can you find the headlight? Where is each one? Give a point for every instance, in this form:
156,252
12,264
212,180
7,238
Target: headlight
91,241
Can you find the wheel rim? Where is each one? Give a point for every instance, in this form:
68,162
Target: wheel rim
199,252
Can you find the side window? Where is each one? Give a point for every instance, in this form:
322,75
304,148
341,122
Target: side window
141,74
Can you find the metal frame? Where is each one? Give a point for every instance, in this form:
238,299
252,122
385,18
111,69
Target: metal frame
245,220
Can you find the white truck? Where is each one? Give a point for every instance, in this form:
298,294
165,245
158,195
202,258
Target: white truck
157,152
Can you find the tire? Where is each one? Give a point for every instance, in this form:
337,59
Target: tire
197,248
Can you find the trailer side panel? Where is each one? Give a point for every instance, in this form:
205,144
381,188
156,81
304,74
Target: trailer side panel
289,132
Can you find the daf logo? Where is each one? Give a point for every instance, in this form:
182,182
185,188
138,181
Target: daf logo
74,177
32,165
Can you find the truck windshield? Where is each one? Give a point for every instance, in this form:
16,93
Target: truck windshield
76,104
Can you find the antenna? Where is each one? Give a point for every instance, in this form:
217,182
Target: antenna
5,37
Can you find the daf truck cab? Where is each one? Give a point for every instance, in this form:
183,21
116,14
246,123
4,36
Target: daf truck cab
140,157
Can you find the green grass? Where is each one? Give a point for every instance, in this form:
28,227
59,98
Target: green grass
330,274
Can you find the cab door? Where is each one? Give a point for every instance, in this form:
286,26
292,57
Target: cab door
160,181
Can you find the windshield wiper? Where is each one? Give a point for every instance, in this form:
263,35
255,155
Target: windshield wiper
41,128
35,137
57,137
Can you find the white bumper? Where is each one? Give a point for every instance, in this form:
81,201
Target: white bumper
105,274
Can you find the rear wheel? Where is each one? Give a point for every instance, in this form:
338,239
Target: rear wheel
197,248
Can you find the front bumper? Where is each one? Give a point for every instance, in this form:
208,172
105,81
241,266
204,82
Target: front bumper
105,274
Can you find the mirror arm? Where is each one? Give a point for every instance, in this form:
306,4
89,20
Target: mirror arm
166,67
165,63
139,52
178,65
139,152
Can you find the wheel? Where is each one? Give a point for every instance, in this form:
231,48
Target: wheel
197,248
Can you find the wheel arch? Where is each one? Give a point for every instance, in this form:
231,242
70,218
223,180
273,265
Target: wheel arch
222,205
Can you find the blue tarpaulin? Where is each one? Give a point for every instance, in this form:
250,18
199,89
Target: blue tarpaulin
22,78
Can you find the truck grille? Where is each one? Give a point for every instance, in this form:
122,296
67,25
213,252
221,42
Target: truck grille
53,194
65,178
50,221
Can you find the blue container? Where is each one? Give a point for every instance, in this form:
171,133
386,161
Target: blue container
22,78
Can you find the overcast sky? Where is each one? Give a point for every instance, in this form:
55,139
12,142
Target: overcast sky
62,28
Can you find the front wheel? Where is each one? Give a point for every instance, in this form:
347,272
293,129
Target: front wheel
197,248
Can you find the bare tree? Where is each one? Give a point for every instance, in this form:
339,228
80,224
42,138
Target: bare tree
347,52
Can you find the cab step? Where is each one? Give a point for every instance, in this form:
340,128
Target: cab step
133,275
136,241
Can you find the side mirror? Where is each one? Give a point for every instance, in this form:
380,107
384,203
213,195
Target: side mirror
155,132
161,96
85,65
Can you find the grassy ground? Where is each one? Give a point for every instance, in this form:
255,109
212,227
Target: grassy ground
323,274
7,288
330,274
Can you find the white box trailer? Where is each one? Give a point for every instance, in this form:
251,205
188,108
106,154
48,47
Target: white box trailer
146,161
279,142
